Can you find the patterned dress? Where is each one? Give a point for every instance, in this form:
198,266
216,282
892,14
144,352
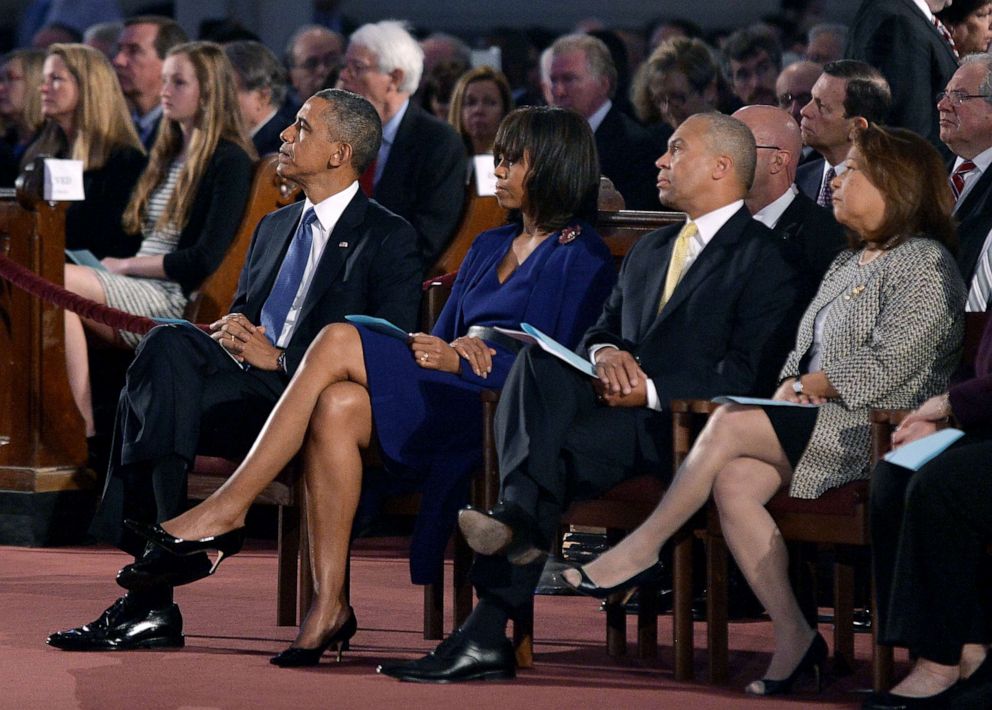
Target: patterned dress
158,298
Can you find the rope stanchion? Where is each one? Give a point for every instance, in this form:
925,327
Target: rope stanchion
30,282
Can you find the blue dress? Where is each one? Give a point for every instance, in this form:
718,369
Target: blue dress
429,424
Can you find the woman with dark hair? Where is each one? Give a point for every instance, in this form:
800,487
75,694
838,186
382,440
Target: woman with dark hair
418,397
479,102
884,330
970,23
186,205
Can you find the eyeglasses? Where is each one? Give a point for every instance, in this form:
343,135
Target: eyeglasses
785,100
768,147
959,97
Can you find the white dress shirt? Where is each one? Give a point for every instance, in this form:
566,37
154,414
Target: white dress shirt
598,115
328,211
707,226
770,214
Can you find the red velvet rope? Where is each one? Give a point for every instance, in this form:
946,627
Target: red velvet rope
28,281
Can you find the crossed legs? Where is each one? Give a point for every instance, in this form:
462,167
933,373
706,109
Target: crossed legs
83,281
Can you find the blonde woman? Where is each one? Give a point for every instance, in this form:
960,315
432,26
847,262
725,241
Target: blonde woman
86,118
479,102
186,205
20,107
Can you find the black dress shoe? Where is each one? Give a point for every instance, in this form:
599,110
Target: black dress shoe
163,570
226,544
506,529
123,628
457,659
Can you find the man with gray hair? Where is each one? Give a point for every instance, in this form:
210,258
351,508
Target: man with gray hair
699,311
825,42
311,53
262,86
965,109
419,172
581,76
103,36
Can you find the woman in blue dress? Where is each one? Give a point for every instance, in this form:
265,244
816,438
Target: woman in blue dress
419,398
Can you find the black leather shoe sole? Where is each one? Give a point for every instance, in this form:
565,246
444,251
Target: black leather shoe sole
164,572
487,535
114,644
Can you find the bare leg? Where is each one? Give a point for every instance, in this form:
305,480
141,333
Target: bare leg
341,426
741,491
334,356
81,280
732,432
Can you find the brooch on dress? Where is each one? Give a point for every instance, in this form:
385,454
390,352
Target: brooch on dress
568,234
855,292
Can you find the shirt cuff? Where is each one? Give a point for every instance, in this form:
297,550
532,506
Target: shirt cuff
596,348
652,395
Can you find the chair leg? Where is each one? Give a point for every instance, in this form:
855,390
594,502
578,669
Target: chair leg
616,614
287,555
716,608
523,637
682,636
843,614
647,622
461,584
434,608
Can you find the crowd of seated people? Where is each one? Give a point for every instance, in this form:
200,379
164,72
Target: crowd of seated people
834,130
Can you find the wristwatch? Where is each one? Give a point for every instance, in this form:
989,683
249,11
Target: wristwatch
797,386
281,362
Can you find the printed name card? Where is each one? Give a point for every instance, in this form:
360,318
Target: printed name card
64,180
485,175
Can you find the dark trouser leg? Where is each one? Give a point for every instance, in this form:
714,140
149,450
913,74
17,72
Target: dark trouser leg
935,604
556,445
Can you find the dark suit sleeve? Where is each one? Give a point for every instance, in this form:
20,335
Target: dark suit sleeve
442,193
240,302
394,279
609,325
224,189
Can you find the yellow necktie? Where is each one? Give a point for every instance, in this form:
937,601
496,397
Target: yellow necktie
676,264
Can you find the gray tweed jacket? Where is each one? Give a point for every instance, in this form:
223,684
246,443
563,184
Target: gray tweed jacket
891,339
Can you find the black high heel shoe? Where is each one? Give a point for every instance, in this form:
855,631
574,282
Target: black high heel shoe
812,660
589,588
226,544
295,657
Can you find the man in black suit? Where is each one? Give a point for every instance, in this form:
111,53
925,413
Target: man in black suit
966,128
813,238
262,85
902,40
582,77
420,169
189,393
700,311
847,95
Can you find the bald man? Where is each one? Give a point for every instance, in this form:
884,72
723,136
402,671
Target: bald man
813,236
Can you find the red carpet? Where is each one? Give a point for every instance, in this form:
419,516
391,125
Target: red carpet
231,634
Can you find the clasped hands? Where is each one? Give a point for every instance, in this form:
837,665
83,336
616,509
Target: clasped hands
922,421
245,341
432,353
621,381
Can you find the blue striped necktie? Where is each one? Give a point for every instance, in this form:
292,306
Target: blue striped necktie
294,265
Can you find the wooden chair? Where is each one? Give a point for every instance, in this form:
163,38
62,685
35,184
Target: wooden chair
480,213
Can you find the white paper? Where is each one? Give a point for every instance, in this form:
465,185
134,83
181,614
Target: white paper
550,345
759,402
64,180
485,175
916,453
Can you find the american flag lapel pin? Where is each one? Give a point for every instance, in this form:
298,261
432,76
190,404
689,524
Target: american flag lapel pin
343,245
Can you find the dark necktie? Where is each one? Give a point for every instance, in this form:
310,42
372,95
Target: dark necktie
946,34
287,283
826,196
957,178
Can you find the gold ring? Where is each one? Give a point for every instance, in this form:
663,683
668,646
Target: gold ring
425,357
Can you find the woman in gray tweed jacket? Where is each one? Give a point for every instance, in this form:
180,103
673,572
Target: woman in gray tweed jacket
884,330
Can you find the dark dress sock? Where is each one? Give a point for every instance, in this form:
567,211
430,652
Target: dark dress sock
486,625
150,599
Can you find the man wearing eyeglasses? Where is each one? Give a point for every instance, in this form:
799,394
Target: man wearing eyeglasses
420,170
965,114
792,88
847,95
311,53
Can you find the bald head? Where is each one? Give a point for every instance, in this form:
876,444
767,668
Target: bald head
794,84
779,148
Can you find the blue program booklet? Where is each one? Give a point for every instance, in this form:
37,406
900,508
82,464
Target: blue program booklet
759,402
548,344
917,453
84,257
379,325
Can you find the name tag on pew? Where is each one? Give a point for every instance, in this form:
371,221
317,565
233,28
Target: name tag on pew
64,180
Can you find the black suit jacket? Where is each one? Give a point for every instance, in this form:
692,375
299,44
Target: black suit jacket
974,217
809,178
626,156
729,323
812,239
898,39
424,180
370,265
266,138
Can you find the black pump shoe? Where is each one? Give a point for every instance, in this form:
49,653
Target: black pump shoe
339,639
586,586
812,661
225,544
161,569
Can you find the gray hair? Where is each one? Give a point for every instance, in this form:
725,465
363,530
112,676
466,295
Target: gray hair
462,51
350,118
730,136
288,58
598,57
827,28
395,48
985,59
108,32
258,68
